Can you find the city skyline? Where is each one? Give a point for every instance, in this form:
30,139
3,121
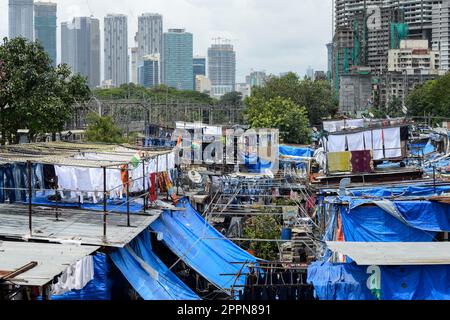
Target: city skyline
255,43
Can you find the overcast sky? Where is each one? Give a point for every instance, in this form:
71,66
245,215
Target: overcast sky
271,35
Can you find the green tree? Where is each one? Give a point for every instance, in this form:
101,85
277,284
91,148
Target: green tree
280,113
318,97
231,99
431,98
102,129
266,228
33,94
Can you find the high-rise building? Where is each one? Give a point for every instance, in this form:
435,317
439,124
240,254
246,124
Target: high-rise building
256,79
149,70
177,59
199,65
222,69
45,27
116,49
80,47
441,33
134,65
21,19
330,59
310,73
412,57
149,37
202,84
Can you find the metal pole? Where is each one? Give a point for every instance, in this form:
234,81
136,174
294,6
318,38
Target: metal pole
128,195
145,189
104,202
30,199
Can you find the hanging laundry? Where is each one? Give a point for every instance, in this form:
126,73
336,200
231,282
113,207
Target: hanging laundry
392,144
377,144
362,161
337,143
153,196
355,141
339,161
76,277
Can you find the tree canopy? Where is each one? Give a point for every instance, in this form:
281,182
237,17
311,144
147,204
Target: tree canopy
33,94
431,98
231,99
159,94
281,113
102,129
318,97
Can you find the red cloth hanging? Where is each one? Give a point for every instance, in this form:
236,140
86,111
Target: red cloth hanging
153,196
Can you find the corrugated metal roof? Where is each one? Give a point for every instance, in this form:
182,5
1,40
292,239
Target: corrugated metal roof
394,253
79,226
52,259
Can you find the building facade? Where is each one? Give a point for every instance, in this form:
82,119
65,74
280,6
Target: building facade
256,79
45,27
222,69
412,57
20,13
149,70
134,65
177,59
80,47
116,49
199,65
202,84
441,33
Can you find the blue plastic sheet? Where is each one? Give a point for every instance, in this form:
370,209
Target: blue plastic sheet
163,286
399,190
97,289
294,152
111,206
373,224
339,281
202,247
349,282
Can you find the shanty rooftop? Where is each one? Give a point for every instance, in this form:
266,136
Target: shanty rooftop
72,226
41,262
65,153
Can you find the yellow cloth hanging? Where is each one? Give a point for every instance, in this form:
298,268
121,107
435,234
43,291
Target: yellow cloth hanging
339,161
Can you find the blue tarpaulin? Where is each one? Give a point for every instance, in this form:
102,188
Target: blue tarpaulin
400,190
148,275
97,289
111,206
373,224
296,152
202,247
349,282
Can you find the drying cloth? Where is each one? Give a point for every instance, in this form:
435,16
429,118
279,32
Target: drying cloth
339,161
333,126
354,123
76,277
355,141
377,144
392,144
336,143
361,161
153,196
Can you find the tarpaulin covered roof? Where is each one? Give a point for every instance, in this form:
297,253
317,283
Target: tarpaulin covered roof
394,253
295,152
148,275
202,247
349,282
